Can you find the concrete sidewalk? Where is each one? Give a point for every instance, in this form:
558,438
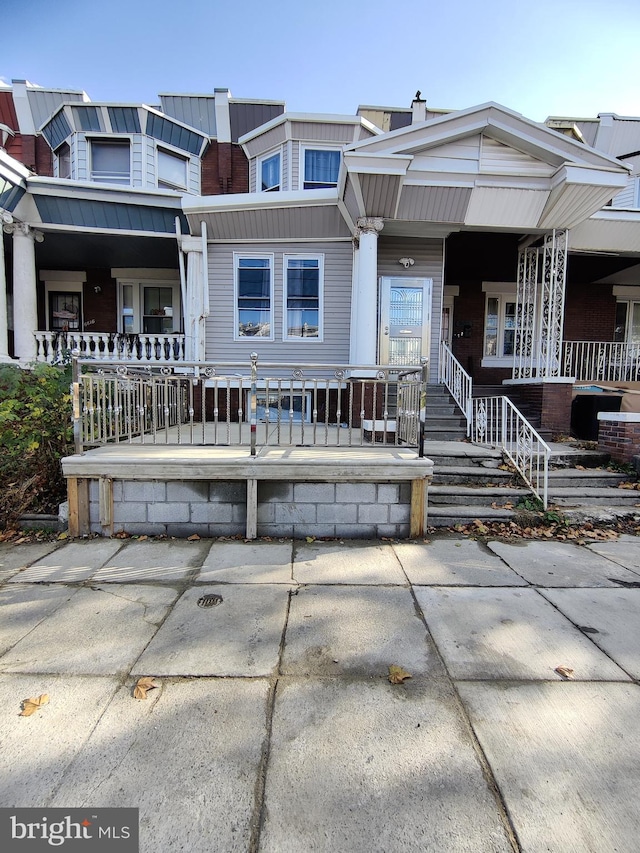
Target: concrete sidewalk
274,726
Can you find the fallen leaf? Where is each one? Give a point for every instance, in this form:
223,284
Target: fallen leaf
142,538
311,538
564,671
193,538
397,674
30,706
142,686
63,535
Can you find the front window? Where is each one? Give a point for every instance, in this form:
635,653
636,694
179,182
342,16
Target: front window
172,170
63,153
110,162
150,309
254,299
270,174
302,297
627,322
64,311
321,168
499,326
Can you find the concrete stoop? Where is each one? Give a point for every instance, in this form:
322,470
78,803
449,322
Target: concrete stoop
469,485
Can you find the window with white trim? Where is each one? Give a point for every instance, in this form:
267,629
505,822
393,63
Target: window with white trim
253,296
111,161
270,173
321,167
499,325
627,329
63,156
172,170
303,290
149,307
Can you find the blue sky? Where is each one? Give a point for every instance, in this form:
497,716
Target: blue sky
551,57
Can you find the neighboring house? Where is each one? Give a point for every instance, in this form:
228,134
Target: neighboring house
364,239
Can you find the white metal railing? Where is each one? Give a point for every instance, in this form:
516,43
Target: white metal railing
498,423
57,347
457,381
604,361
247,404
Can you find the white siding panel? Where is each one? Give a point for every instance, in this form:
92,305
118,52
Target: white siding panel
295,166
606,236
253,172
265,141
220,346
140,162
506,207
193,175
351,200
285,155
567,205
628,197
313,131
434,204
499,159
82,157
428,256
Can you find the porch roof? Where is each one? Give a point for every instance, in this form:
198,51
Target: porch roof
486,167
608,230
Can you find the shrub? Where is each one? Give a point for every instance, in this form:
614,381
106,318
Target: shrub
35,433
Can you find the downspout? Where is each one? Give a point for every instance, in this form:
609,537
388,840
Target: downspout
183,280
205,270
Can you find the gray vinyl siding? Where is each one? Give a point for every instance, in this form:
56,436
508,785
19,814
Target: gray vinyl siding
196,111
246,117
428,256
272,138
44,103
316,131
295,166
627,198
137,160
253,175
286,158
338,261
150,163
81,149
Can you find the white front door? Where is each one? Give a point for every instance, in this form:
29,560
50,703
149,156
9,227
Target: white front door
405,319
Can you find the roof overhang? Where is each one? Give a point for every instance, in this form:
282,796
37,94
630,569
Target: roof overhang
13,182
268,216
608,230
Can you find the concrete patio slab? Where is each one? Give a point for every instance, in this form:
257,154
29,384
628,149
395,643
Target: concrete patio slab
612,617
625,551
367,767
37,750
74,561
162,561
239,636
559,564
99,631
247,562
508,634
567,760
346,562
24,607
188,757
444,562
16,557
357,631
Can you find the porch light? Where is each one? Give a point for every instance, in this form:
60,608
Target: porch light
406,262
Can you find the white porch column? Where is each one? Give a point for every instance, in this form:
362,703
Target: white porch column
194,313
364,315
25,300
4,317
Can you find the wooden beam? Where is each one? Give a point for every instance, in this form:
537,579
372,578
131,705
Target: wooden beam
78,495
418,516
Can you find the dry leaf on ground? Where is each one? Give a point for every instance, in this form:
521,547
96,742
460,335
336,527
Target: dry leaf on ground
30,706
397,674
142,686
193,538
564,671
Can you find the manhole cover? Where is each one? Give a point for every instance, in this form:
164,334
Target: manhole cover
210,600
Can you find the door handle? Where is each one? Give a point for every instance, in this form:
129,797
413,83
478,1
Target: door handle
386,330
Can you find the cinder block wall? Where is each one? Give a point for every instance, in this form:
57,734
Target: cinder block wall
345,510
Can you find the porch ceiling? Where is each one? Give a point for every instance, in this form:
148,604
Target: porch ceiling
67,251
608,231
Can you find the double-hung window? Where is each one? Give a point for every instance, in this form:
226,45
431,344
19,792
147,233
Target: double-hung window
269,173
172,170
254,296
303,286
499,325
111,161
321,168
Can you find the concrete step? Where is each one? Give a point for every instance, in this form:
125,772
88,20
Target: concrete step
590,478
594,497
448,516
449,475
445,422
478,496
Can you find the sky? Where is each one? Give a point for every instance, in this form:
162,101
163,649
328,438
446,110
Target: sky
549,57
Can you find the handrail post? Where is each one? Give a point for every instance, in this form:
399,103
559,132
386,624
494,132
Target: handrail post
75,396
253,400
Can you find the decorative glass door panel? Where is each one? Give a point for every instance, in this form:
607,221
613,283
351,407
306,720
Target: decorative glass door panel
405,320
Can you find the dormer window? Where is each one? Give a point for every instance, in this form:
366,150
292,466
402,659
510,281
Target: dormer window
321,168
270,174
111,161
172,170
63,155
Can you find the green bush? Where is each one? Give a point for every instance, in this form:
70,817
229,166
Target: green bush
36,431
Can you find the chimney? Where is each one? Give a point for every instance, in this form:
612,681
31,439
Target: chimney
418,109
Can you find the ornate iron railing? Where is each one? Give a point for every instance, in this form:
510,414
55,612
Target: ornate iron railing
58,347
602,361
248,404
457,381
498,423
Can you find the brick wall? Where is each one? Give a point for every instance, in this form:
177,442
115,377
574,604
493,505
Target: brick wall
590,312
550,401
225,169
619,435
